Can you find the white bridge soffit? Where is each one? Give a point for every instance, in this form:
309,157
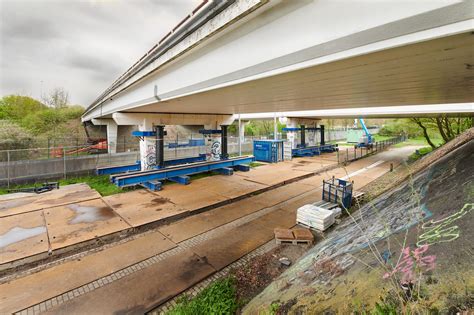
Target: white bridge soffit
272,56
458,109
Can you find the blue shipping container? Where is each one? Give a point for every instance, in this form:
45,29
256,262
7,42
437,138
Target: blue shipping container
270,151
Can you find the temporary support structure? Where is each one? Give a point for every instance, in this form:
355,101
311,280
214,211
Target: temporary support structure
151,177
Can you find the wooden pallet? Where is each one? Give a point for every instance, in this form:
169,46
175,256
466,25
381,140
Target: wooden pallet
358,197
293,242
293,237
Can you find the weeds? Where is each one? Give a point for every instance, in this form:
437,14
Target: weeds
218,298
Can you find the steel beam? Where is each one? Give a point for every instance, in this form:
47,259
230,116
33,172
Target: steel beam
168,172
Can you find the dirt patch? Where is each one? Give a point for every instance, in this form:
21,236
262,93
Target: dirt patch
160,201
252,278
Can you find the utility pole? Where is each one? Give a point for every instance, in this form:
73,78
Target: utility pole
275,129
240,137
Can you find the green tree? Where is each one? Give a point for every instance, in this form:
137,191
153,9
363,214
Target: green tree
17,107
14,137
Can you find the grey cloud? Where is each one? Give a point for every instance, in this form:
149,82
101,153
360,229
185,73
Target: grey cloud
93,63
31,29
81,45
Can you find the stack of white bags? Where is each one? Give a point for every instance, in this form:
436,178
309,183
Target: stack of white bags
315,217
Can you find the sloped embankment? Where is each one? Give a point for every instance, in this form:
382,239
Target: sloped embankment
410,248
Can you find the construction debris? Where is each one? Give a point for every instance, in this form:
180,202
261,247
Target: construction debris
315,217
284,261
48,186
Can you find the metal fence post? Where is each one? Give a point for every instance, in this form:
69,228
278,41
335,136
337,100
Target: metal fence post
337,153
176,147
64,162
8,168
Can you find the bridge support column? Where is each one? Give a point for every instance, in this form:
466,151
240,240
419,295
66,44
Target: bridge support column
160,153
148,138
112,130
213,142
311,134
321,131
302,136
291,132
224,153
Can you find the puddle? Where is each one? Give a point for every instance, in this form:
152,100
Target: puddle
87,214
18,234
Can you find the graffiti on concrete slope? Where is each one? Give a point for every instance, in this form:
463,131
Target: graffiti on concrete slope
388,214
443,230
412,261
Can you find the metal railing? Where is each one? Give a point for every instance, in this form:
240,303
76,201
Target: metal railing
349,154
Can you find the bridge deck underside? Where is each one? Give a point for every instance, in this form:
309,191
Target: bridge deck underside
432,72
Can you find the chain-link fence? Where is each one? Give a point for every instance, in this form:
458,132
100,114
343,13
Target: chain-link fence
59,159
51,162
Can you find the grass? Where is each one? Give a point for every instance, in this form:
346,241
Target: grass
419,141
378,138
100,183
418,154
218,298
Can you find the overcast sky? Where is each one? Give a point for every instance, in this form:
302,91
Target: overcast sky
79,45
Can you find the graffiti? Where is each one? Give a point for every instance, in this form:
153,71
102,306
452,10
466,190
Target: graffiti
215,150
442,230
324,270
150,157
410,262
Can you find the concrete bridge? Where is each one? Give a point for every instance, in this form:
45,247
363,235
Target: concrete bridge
252,56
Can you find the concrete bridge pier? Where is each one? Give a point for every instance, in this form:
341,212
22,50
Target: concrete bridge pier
301,132
112,130
151,130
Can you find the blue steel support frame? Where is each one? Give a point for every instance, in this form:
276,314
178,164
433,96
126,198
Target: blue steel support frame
162,174
314,150
118,169
109,170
